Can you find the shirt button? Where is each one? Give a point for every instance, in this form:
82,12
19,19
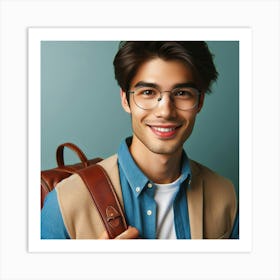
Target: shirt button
137,189
149,212
150,185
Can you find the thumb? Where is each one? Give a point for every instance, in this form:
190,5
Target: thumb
104,235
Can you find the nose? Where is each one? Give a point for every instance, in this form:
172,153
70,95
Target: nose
165,107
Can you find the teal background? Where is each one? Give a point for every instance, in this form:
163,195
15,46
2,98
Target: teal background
80,103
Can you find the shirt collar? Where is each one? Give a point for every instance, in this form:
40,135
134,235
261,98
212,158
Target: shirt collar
135,177
185,169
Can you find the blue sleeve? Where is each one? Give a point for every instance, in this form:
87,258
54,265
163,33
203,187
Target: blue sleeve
52,225
235,230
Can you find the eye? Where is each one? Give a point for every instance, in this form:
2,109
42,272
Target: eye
184,93
147,92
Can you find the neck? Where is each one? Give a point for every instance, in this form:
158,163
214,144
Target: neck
159,168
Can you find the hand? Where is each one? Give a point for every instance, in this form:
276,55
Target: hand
130,233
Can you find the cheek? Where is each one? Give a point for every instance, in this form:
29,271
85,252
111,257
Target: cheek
188,117
137,119
189,122
190,127
137,114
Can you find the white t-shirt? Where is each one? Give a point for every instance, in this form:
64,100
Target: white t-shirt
164,197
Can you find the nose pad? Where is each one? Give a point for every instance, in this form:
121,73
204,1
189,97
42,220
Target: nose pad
168,98
166,108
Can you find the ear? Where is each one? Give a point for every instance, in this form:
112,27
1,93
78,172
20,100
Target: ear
201,102
124,102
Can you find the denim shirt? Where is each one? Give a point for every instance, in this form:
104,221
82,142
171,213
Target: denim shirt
138,196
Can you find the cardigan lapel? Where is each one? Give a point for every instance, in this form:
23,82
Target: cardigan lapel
195,203
194,194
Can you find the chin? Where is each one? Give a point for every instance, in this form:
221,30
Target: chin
165,150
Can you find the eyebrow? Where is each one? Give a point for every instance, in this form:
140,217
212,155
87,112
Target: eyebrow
146,84
154,85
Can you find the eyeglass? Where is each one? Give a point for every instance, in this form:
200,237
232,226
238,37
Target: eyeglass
147,98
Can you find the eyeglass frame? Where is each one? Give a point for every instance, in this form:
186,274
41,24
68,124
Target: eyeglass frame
154,86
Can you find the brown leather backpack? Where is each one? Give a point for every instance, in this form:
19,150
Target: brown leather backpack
97,182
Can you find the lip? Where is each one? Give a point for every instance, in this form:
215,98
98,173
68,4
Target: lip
164,131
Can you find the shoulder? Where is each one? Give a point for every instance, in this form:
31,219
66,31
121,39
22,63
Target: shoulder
213,183
80,215
72,184
208,174
72,194
73,187
110,163
219,200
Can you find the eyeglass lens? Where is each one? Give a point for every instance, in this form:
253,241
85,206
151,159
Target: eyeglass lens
183,98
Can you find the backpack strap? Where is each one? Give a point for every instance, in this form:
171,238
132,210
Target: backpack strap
104,198
74,148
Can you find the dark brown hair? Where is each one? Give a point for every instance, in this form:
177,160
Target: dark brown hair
195,54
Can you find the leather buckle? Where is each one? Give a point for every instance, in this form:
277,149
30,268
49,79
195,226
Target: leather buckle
113,216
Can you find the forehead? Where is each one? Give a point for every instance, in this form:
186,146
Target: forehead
165,73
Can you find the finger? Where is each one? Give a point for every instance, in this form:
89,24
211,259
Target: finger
130,233
104,235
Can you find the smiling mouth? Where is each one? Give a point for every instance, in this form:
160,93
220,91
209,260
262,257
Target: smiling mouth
164,132
163,129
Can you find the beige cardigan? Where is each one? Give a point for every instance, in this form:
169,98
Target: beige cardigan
211,201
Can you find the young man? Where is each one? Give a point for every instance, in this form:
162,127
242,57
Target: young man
164,194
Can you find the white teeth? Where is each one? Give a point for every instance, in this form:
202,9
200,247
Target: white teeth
162,129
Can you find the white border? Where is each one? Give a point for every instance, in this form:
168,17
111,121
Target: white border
243,35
